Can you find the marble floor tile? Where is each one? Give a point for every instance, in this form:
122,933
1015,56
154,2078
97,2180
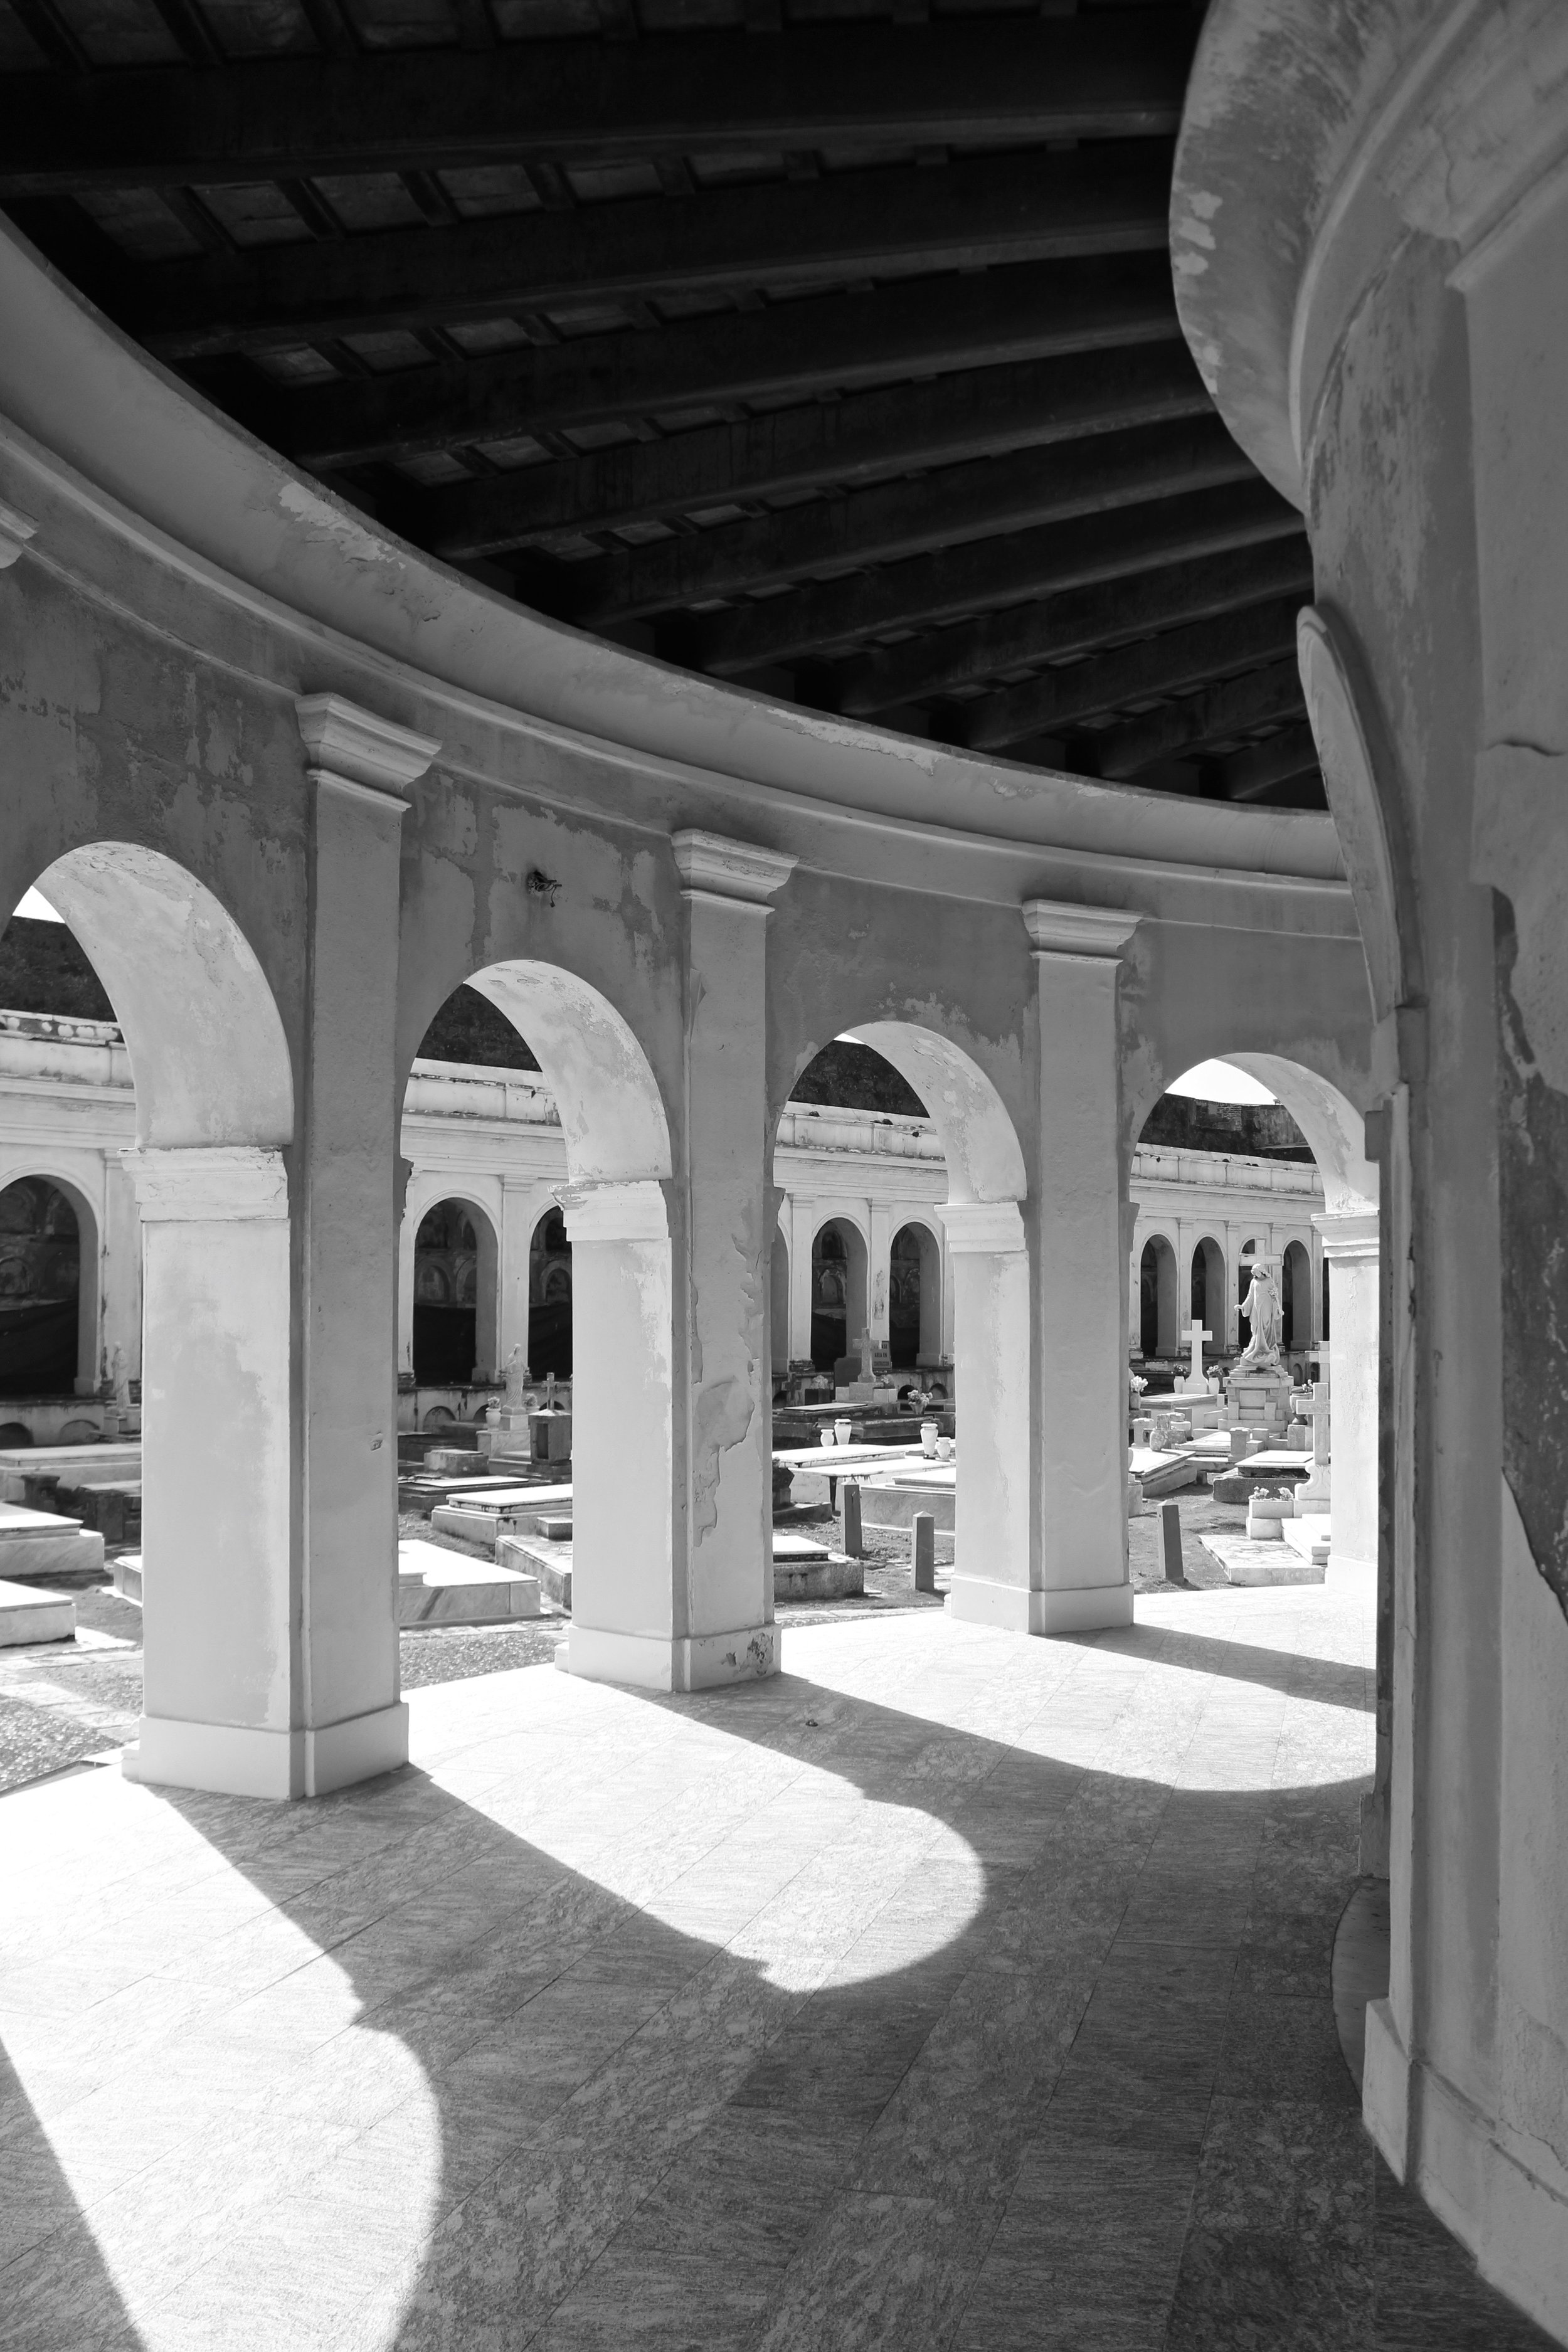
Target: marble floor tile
952,1990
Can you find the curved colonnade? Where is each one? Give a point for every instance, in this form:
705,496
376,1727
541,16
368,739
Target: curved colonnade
317,781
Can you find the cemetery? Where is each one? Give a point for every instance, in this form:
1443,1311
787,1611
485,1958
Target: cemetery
725,1618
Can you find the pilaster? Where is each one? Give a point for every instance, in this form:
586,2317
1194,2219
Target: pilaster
360,767
1079,1308
724,1608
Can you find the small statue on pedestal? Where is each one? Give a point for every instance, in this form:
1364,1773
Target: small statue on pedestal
1261,1308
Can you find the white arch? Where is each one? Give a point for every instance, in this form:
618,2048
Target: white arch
979,1142
208,1056
612,1114
1329,1122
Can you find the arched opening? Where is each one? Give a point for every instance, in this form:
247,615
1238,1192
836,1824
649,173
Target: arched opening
1159,1299
988,1254
454,1294
48,1272
914,1298
1296,1297
839,1307
618,1316
550,1298
215,1109
1209,1289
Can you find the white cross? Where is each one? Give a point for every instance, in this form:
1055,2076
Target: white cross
1194,1335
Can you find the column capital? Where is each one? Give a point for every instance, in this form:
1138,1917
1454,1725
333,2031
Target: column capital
977,1228
15,530
737,871
614,1210
1099,933
360,752
1351,1235
208,1184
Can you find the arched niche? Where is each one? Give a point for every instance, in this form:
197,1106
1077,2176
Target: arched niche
1296,1297
840,1291
550,1298
49,1284
1159,1297
914,1296
455,1280
1207,1293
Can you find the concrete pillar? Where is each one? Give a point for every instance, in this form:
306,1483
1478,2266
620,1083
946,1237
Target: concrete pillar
803,1233
1350,1246
987,1251
1080,1307
878,1273
221,1690
624,1599
724,1628
346,1706
120,1263
487,1296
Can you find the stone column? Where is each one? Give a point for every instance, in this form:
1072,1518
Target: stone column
987,1252
1350,1248
221,1695
724,1607
880,1274
120,1242
346,1211
623,1597
803,1232
1080,1310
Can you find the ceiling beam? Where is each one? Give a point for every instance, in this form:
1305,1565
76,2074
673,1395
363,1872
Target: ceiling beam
1213,715
898,520
1117,76
1002,571
1247,775
1013,207
1079,621
1063,698
849,442
839,341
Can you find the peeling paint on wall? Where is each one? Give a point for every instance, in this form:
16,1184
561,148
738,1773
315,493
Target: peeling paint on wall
1532,1183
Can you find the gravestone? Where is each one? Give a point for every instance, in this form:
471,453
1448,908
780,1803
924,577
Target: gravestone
925,1551
854,1541
1171,1542
1195,1337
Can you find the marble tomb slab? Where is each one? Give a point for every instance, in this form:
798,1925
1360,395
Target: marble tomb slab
41,1543
805,1570
1246,1562
441,1588
28,1615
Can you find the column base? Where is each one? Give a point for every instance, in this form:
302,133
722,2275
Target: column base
654,1662
1017,1609
1512,2221
243,1760
1345,1574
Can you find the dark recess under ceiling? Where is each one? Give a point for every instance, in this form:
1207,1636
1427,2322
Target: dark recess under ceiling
823,346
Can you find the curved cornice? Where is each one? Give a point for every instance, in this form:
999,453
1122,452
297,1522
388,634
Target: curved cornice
98,422
1317,135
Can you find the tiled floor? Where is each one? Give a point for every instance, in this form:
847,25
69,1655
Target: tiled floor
954,1989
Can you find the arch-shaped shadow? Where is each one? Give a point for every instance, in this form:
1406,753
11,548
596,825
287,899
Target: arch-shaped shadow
490,2051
